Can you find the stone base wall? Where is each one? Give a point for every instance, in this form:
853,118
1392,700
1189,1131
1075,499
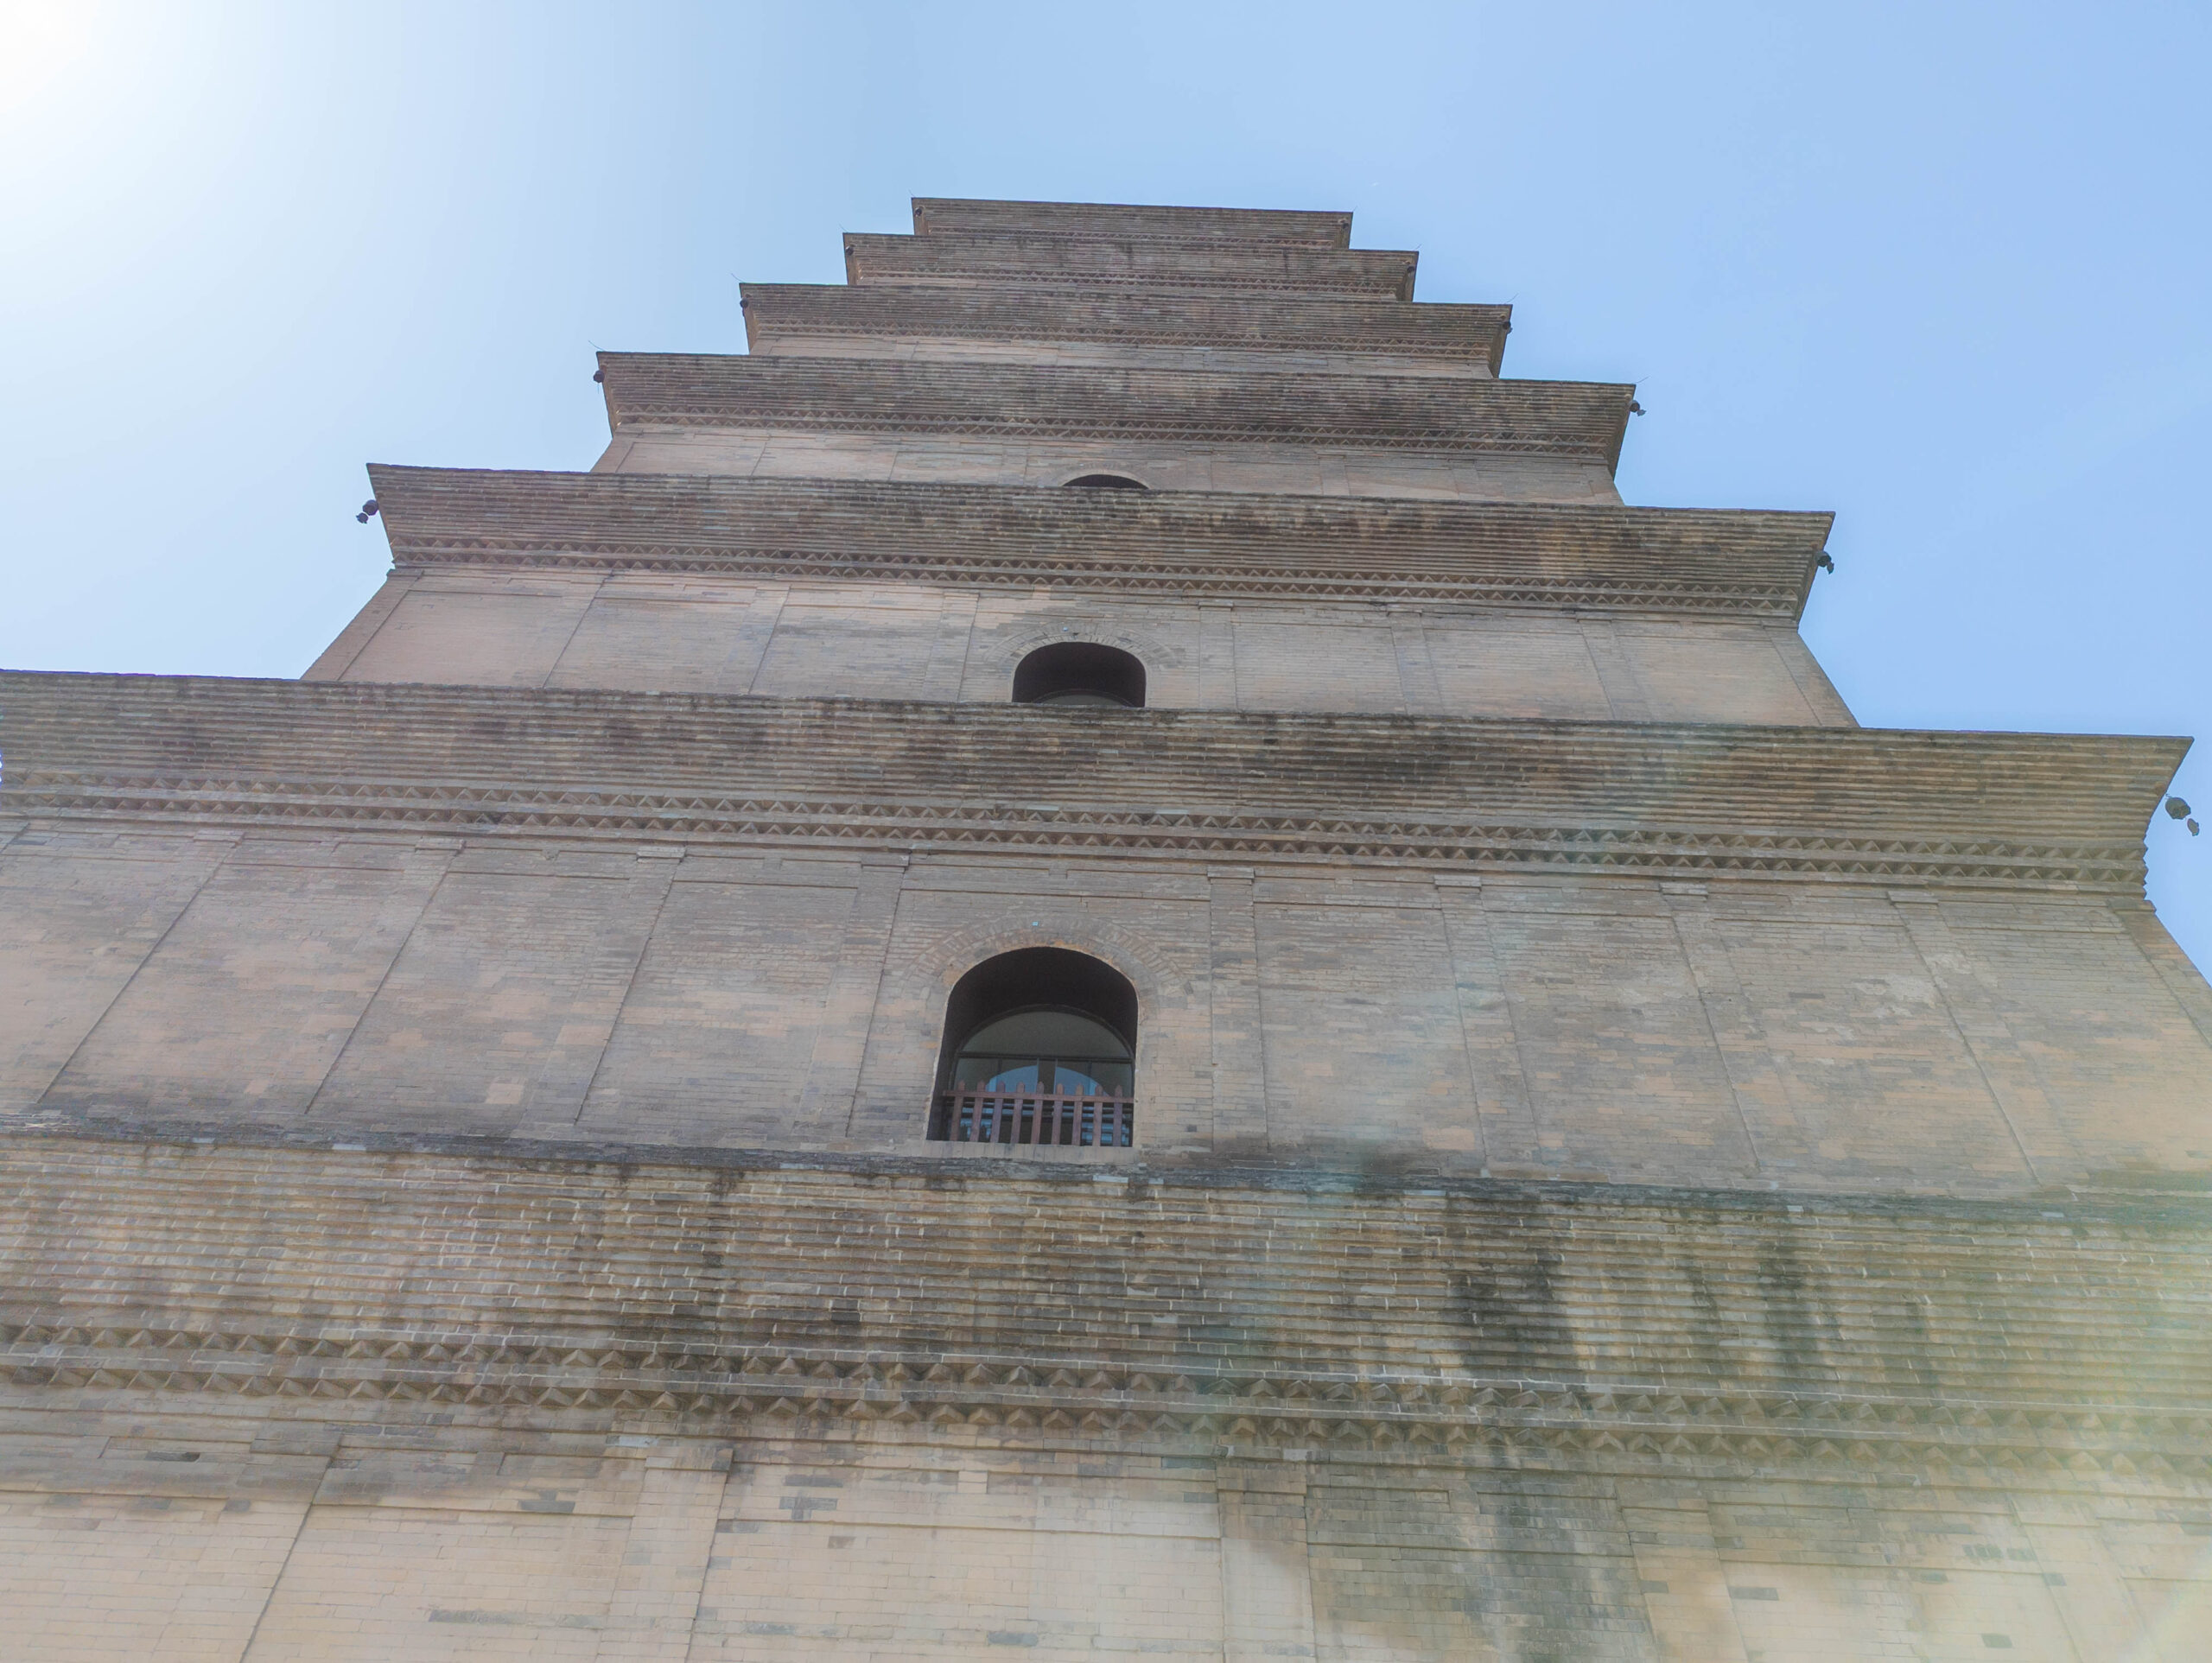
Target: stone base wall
280,1402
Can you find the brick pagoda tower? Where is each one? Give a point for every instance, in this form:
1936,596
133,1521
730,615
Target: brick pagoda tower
1095,958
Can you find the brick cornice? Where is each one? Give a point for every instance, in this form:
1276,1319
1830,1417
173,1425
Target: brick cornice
1438,414
1675,562
1521,1329
1105,221
1849,805
1280,323
1160,264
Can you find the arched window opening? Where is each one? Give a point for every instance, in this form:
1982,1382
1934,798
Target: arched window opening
1080,672
1110,482
1040,1048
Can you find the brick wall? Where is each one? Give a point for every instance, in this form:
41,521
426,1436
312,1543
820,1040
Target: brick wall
790,1550
270,1403
926,641
1339,470
1809,1037
949,349
1188,330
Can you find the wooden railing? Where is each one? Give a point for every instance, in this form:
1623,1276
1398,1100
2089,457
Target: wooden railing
1034,1117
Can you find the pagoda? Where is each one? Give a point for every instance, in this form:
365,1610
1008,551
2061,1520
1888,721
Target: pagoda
1093,956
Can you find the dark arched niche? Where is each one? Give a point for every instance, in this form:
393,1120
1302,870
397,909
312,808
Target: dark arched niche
1080,672
1110,482
1040,1047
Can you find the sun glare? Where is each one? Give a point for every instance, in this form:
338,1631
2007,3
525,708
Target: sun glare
43,47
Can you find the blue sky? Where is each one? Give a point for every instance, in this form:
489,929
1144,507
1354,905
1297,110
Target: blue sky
1942,269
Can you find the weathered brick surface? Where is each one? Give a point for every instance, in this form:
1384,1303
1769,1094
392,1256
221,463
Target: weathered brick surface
1092,221
80,921
1570,421
1905,803
556,977
1102,326
1320,1309
1164,463
99,1574
1168,265
902,1547
914,640
1649,563
368,1405
1028,424
797,341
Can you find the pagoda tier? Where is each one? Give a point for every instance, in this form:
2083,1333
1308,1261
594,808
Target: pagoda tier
1578,422
1093,221
1711,564
1023,257
1279,331
2016,811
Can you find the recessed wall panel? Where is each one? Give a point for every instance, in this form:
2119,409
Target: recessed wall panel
497,1010
856,645
1623,1075
717,1032
2117,1055
1703,672
662,642
1880,1083
249,999
78,915
1339,666
466,633
1492,668
1363,1033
